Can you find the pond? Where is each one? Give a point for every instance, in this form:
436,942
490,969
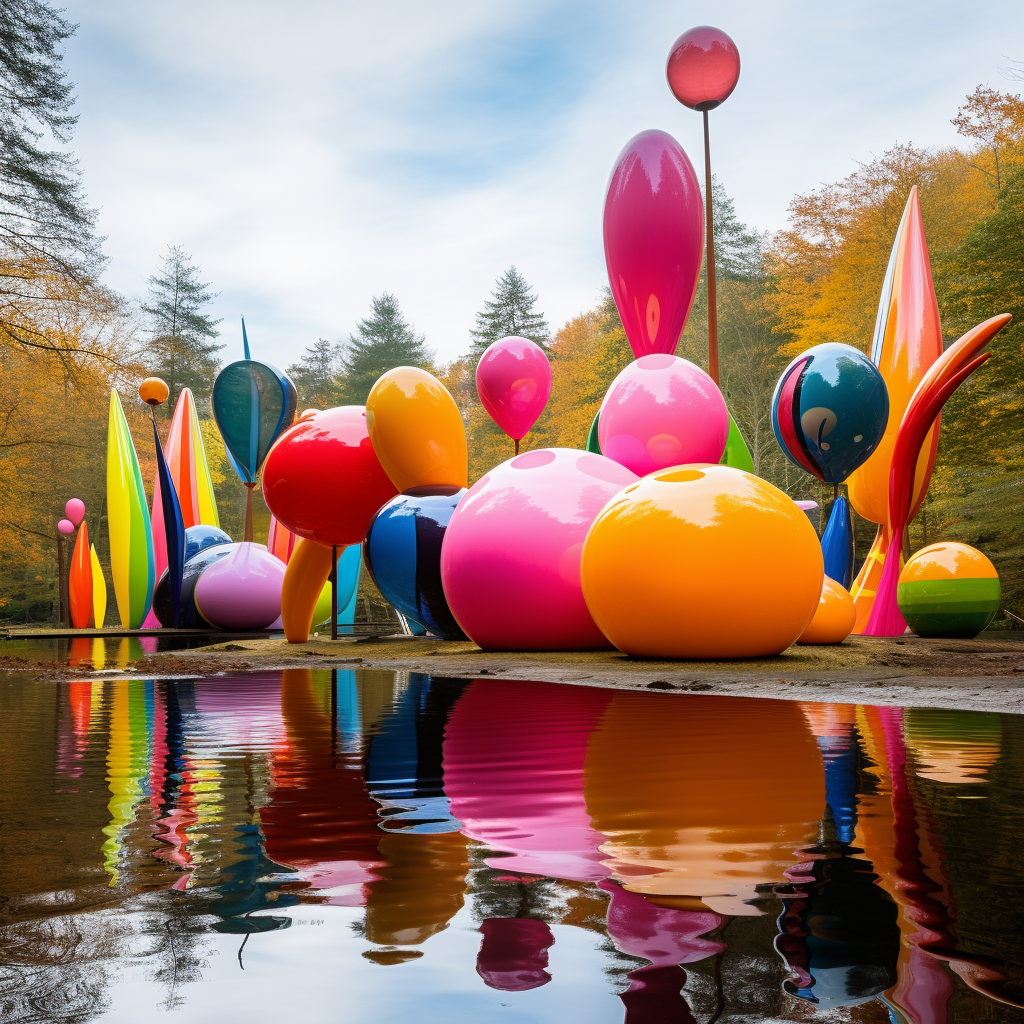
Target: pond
389,847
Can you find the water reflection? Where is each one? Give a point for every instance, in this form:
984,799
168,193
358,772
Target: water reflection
565,850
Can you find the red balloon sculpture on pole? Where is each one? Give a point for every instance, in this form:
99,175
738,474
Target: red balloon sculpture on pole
703,69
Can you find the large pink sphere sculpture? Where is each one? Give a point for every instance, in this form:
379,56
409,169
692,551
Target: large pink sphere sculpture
75,510
513,379
510,561
243,590
662,411
653,240
703,68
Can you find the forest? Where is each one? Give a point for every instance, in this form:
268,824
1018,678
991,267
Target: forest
66,340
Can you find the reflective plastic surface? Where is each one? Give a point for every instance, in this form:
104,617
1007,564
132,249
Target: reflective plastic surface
400,847
703,67
662,411
253,403
833,618
189,617
242,591
829,410
417,430
837,543
702,562
513,380
323,480
403,555
510,562
653,240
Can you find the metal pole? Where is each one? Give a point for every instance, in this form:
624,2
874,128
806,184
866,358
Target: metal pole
334,592
709,228
248,513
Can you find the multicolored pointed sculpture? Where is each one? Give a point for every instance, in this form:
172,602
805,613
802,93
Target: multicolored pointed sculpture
128,523
99,591
907,340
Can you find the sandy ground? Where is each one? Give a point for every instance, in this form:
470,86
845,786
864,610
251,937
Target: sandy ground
986,674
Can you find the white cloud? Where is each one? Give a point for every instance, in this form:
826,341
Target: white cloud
311,155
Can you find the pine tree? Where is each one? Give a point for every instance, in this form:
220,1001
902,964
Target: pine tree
46,229
316,375
181,350
383,341
509,312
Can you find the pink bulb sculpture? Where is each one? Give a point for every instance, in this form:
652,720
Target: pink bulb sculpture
513,379
66,527
243,590
510,561
653,240
703,68
75,510
662,411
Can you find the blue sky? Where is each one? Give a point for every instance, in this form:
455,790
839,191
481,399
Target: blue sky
313,154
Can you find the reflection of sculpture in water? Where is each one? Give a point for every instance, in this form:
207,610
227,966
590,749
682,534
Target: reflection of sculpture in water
705,797
513,953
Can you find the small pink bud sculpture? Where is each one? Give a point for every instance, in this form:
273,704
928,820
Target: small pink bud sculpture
75,510
66,527
513,379
653,240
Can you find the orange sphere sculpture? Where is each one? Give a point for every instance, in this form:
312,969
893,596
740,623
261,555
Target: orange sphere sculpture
834,618
701,561
153,391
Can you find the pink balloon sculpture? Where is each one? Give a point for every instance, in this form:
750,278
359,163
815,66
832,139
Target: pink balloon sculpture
662,411
703,68
75,510
510,560
653,240
513,379
243,590
66,527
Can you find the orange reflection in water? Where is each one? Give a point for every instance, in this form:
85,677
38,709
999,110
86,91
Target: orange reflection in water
704,797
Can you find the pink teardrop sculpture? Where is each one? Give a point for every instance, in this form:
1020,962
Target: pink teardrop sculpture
653,240
703,68
75,510
513,379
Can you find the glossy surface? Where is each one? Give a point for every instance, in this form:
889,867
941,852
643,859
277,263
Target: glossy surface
737,454
128,524
417,430
403,555
99,591
834,617
153,391
510,562
703,68
907,340
653,240
829,411
74,509
189,616
702,562
239,846
323,479
280,540
948,590
80,586
662,411
242,591
837,545
66,527
513,380
350,565
304,581
940,381
199,538
253,404
185,455
173,526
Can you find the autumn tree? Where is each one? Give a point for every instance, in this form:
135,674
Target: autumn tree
181,349
509,312
384,340
995,120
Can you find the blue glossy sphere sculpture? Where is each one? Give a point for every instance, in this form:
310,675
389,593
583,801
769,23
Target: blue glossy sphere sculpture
829,410
402,551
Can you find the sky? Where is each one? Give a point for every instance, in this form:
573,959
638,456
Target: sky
311,155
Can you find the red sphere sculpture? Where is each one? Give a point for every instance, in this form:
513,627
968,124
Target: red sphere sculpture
703,68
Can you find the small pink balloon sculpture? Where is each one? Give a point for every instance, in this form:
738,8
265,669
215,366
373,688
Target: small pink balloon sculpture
66,527
510,560
513,379
703,68
653,240
75,510
662,411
